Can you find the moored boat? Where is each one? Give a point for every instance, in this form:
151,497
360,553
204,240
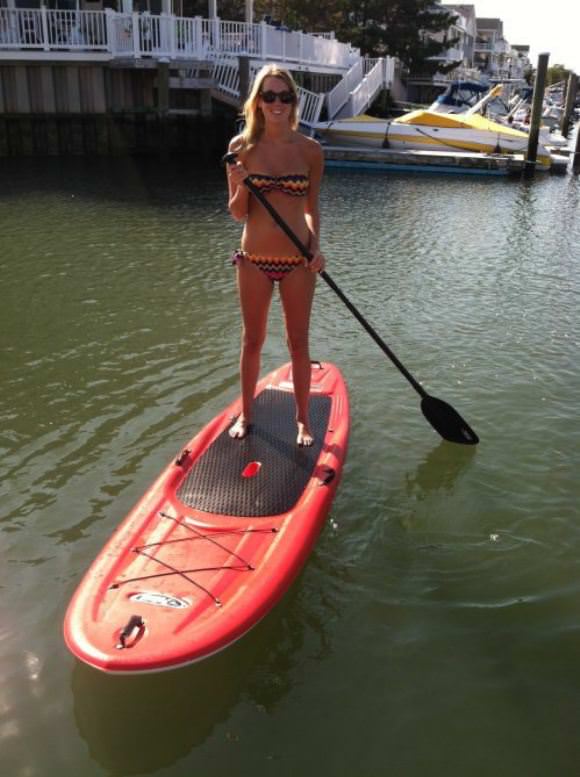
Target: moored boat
432,131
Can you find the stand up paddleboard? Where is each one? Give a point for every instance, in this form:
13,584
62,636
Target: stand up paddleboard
218,538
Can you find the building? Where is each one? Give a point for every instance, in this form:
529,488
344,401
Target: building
465,29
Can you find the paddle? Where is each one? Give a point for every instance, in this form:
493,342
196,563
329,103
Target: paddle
442,417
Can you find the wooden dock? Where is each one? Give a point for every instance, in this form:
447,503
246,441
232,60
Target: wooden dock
458,162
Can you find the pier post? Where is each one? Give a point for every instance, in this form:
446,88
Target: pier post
244,73
537,102
163,86
163,106
576,158
571,88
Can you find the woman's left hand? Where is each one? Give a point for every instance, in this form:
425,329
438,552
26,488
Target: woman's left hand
318,262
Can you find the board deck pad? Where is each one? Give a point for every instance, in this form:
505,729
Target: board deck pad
215,483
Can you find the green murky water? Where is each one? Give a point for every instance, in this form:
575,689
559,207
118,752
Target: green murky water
436,627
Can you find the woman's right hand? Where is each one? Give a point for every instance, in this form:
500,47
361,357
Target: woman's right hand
238,174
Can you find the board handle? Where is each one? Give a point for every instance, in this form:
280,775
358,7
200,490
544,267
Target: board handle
135,628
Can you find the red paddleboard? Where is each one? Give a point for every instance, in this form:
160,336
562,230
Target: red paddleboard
218,538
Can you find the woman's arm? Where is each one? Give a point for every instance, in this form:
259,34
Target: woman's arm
316,164
312,213
238,199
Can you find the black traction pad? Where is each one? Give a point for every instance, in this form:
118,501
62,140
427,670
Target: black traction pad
215,483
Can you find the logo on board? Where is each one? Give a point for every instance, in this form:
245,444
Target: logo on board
160,600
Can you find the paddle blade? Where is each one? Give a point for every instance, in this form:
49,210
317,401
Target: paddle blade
447,421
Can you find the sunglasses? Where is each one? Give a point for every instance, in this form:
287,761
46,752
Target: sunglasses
287,97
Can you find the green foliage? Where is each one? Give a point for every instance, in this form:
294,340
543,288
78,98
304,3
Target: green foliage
229,10
321,16
398,28
556,73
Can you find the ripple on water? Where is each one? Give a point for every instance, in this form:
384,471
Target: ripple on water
453,571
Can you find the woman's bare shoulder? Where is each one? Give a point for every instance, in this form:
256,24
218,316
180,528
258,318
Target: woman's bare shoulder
237,145
311,148
312,152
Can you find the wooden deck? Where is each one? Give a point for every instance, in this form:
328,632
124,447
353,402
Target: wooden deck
463,163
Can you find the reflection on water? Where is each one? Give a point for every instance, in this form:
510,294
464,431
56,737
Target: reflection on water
141,724
446,585
138,725
439,470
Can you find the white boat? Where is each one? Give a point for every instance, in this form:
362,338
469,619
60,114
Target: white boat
432,131
459,96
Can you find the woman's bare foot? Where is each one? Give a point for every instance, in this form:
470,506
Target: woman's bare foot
240,428
304,439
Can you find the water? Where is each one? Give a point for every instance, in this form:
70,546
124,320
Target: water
435,629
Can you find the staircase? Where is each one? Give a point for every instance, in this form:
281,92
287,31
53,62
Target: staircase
353,94
356,91
226,79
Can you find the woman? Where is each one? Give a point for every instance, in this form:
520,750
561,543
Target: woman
287,168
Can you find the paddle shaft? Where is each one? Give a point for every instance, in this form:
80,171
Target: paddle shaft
230,159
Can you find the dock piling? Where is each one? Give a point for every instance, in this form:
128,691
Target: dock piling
163,106
571,89
576,157
244,71
536,117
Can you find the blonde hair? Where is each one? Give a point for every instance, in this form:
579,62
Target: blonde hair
253,113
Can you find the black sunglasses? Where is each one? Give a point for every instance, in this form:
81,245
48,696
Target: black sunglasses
286,97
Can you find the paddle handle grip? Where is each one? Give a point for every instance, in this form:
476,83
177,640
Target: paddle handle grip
230,160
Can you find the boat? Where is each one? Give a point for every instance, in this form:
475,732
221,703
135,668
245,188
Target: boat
429,130
219,537
459,96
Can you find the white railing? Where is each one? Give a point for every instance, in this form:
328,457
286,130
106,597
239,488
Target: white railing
390,65
309,106
164,35
226,76
369,64
355,92
338,96
368,89
43,29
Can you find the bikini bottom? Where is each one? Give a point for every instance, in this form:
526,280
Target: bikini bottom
275,268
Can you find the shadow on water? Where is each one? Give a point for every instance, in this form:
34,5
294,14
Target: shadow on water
439,470
140,724
125,180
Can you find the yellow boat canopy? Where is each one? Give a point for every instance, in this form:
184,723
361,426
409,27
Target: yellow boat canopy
459,121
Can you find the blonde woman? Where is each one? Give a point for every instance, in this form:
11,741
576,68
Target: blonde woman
287,168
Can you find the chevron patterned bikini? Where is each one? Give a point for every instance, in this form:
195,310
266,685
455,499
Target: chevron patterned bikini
295,184
276,268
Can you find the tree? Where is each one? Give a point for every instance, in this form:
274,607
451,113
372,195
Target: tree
398,28
230,10
556,73
320,16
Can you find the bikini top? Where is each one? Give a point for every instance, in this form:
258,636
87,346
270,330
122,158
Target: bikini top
296,184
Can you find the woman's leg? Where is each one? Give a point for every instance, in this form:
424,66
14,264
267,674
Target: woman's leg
297,292
255,291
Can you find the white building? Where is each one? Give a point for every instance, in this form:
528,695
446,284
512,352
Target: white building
465,30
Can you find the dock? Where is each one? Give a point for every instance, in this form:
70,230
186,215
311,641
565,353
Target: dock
419,161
